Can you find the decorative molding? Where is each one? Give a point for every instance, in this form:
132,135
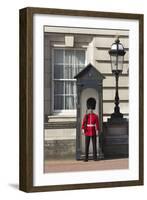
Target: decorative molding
108,48
111,75
107,115
112,101
108,61
113,88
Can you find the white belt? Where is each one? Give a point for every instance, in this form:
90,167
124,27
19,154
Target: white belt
90,125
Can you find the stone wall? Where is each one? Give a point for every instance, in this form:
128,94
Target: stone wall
59,149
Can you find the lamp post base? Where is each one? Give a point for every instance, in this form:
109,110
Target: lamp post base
116,139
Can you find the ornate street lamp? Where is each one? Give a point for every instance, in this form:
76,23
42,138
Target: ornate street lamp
117,53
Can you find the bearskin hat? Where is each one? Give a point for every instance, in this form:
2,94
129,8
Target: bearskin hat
91,103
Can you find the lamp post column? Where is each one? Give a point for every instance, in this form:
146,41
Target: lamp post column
116,108
116,115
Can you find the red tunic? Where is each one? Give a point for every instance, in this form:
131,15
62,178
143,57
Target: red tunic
92,124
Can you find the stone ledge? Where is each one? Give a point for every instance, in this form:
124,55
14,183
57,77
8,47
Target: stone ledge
60,134
61,118
60,125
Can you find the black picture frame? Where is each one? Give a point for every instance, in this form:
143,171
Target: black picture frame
26,98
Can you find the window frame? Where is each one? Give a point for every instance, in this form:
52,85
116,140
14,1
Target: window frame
66,112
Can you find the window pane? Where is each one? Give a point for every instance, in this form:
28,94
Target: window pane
69,102
117,62
113,62
68,72
58,102
70,87
58,56
79,60
58,71
58,87
75,89
69,64
120,62
69,57
80,57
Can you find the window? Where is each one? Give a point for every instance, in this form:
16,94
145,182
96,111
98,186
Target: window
66,64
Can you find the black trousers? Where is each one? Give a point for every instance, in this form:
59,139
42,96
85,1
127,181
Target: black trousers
87,142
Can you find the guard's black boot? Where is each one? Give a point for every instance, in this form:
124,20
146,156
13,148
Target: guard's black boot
85,159
95,158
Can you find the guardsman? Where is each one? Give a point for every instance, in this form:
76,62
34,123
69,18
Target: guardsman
90,128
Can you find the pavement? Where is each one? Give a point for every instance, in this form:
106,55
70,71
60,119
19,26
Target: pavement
74,165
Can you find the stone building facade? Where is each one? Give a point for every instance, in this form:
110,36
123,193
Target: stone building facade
66,52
